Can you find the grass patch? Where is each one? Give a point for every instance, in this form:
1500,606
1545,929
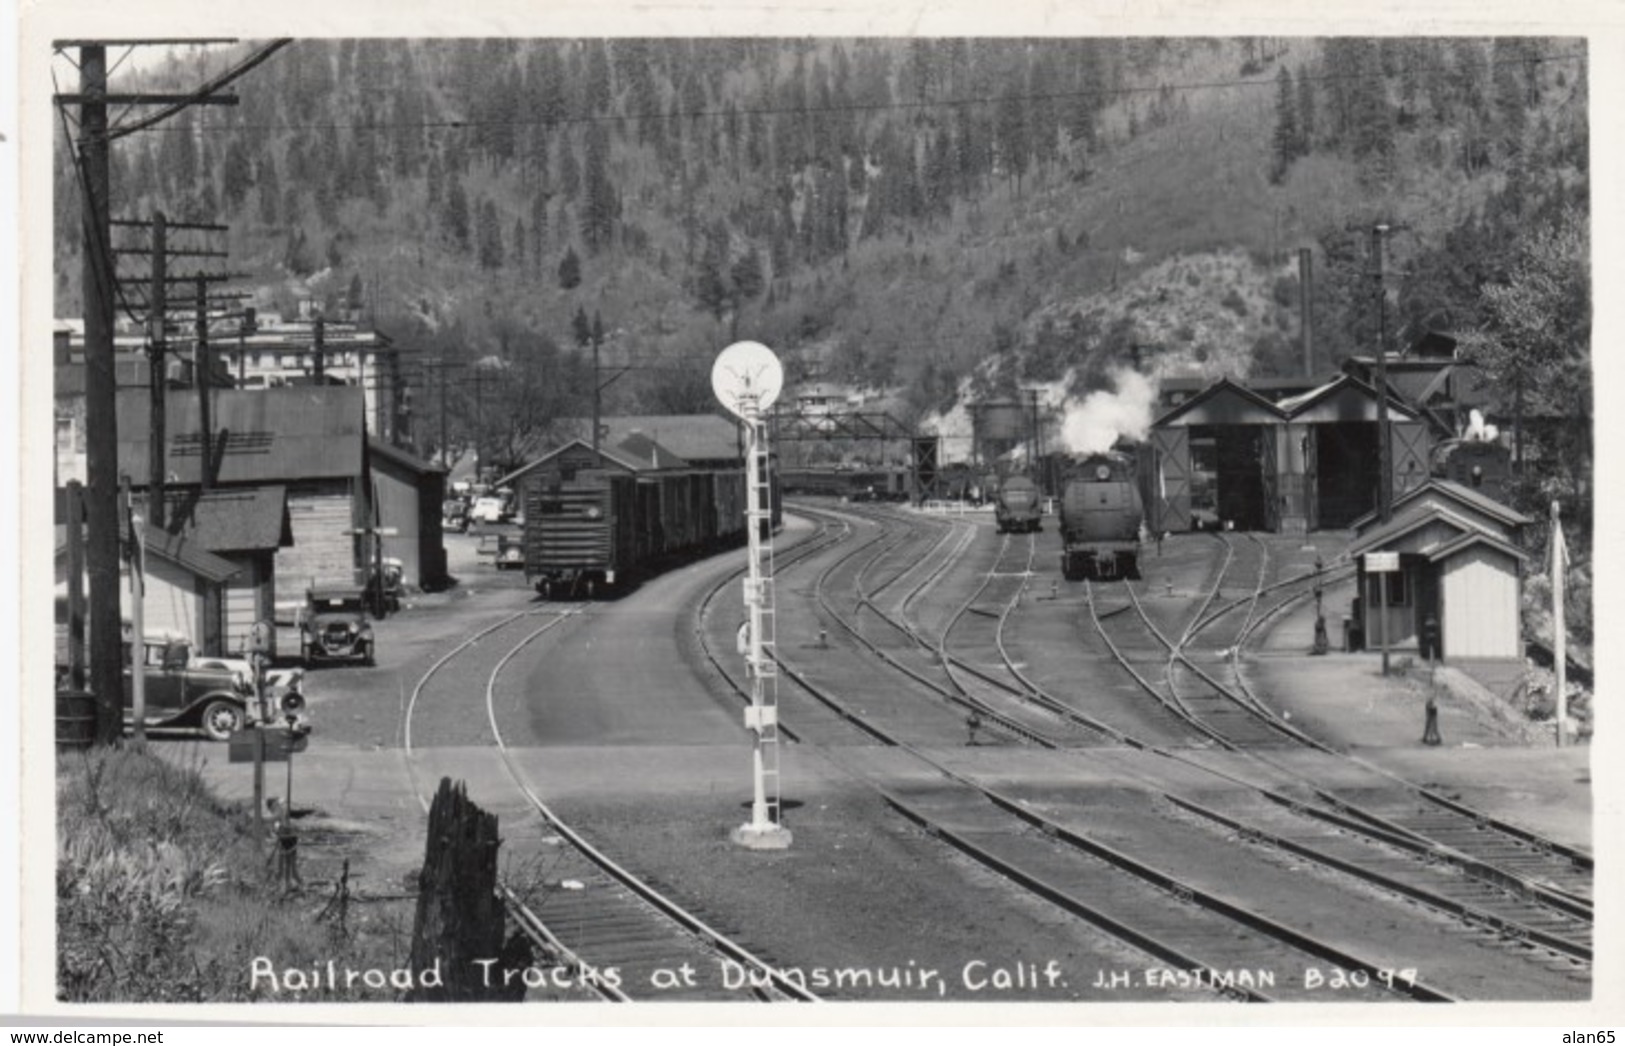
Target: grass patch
163,894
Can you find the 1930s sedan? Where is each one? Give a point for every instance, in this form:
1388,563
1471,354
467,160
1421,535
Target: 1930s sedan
180,692
335,625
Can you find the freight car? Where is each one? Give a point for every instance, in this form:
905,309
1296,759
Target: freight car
1101,520
1016,507
602,520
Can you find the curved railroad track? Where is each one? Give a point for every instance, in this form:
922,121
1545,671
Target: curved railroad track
602,928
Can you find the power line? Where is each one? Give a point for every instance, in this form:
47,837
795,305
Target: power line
815,110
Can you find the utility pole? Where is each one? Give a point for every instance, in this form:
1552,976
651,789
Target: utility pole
98,286
597,381
158,326
101,434
319,366
203,379
1384,451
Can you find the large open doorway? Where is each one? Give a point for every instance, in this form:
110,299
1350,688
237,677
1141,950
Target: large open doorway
1345,471
1228,473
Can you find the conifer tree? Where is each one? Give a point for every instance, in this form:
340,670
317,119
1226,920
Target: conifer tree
570,270
1285,141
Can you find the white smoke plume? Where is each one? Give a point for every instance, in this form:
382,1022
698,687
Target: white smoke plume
1093,424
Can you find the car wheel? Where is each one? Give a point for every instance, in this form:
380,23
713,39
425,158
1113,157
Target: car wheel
221,719
367,658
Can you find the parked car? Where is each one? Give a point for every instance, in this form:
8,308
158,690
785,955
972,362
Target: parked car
284,687
510,553
486,510
183,691
454,515
335,625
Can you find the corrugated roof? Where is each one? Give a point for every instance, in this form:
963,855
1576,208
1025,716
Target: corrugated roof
234,519
649,454
605,451
693,437
259,435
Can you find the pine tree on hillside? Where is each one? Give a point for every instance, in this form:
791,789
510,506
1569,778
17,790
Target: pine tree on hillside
1285,141
490,237
1010,132
1510,92
269,192
1306,113
570,270
598,202
569,168
236,174
581,327
455,220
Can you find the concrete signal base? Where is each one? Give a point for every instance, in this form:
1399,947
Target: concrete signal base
762,837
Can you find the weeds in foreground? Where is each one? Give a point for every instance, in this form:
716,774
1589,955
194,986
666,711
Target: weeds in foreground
161,893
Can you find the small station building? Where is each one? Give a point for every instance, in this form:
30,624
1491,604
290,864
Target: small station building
1455,594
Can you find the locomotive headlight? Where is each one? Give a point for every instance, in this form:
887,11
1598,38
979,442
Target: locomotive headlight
1103,472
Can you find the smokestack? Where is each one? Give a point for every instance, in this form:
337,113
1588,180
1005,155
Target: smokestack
1306,298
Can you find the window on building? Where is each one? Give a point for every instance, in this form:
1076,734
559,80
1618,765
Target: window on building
1399,588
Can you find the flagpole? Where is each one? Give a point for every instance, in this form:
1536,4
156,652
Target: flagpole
1559,632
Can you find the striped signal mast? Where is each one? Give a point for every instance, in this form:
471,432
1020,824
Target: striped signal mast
747,378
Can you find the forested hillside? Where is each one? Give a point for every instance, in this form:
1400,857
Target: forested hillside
892,213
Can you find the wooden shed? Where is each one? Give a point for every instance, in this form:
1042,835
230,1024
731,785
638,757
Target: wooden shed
246,527
185,589
407,494
1459,564
308,439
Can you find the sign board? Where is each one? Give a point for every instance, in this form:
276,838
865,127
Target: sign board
278,745
1381,562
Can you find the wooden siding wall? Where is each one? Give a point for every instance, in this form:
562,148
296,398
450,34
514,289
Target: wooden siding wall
324,549
246,601
399,507
1480,591
172,605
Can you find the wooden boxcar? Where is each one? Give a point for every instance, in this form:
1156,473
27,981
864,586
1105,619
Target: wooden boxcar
627,511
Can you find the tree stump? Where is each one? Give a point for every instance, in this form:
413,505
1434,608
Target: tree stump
460,918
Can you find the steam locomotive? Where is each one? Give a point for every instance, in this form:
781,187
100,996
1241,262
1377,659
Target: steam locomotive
1016,507
1102,519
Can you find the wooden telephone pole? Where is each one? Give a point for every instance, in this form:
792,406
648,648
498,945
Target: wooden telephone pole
92,151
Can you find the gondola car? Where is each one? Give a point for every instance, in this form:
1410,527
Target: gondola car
1017,508
1101,520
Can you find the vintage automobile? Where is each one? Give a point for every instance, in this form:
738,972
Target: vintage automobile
334,625
510,553
181,690
454,515
488,509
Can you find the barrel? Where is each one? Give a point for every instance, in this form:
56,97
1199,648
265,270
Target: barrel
75,719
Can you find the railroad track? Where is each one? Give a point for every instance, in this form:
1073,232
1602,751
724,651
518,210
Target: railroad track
1197,930
602,929
1506,909
1507,889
